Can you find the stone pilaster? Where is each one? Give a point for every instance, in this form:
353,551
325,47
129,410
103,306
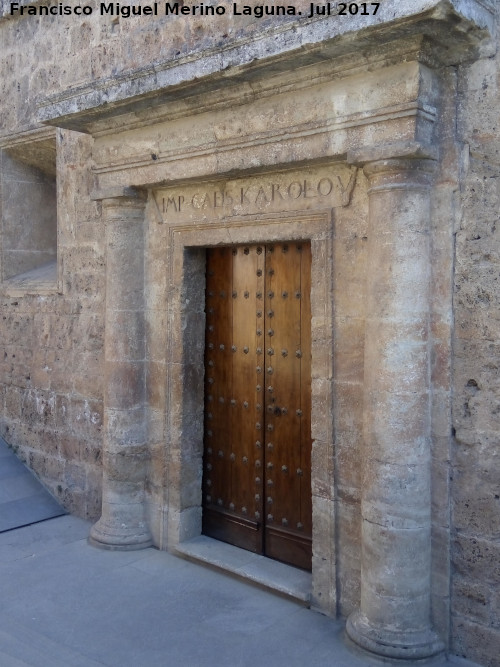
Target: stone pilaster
394,619
125,447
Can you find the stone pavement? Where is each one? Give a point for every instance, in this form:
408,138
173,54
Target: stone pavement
67,604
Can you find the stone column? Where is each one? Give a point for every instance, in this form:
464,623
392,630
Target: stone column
394,619
125,447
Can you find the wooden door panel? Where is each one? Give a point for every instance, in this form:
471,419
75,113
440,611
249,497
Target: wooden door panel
256,482
286,537
244,411
217,379
305,396
231,512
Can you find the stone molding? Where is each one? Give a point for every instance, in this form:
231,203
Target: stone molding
394,645
28,135
237,89
109,195
395,150
179,518
457,26
217,147
307,130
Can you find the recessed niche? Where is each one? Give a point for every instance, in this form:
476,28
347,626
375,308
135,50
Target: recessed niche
28,207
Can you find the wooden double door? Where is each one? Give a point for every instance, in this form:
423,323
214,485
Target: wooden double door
257,441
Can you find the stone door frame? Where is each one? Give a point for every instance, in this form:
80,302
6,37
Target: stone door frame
395,493
184,375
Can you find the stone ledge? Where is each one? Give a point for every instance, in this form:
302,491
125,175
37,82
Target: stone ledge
40,281
263,572
28,135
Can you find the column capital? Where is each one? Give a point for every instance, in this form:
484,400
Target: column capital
411,151
400,173
122,206
128,192
397,165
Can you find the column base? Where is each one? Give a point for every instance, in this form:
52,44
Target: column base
121,538
390,643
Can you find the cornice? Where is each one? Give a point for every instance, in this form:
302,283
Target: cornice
28,135
234,92
455,27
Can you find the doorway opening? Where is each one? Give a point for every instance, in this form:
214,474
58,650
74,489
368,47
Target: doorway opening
257,417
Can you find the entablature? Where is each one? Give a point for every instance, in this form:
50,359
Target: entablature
313,125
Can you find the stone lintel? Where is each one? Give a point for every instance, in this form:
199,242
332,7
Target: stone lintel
455,27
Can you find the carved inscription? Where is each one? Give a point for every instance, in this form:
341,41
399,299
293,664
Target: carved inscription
309,190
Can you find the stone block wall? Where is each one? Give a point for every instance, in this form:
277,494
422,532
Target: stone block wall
52,344
52,355
43,55
52,349
475,484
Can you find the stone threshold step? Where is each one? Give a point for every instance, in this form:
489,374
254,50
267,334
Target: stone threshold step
269,574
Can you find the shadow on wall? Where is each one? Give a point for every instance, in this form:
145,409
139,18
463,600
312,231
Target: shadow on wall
28,207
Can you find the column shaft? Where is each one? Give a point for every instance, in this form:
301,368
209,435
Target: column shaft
125,447
394,617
